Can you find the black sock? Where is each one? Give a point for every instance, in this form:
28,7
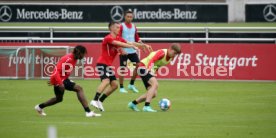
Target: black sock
103,97
147,104
41,106
87,109
131,82
97,96
135,102
121,85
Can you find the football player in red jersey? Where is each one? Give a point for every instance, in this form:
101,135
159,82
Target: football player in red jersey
59,79
112,44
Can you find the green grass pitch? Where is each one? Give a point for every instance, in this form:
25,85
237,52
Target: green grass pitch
199,109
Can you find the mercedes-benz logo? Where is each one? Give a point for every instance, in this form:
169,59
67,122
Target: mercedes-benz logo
5,13
117,13
270,13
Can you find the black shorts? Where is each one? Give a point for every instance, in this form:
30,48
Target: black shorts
145,76
69,84
105,72
132,57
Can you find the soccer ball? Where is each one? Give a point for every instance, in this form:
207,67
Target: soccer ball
164,104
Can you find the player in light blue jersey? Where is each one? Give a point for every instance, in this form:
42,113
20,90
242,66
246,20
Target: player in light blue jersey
128,31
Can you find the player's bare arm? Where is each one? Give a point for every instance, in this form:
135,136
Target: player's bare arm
125,45
143,46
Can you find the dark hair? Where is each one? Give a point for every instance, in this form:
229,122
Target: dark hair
128,11
112,23
79,48
176,47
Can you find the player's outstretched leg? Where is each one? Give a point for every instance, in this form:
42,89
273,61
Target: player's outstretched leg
100,89
133,105
108,91
80,94
121,80
147,107
152,92
123,63
59,92
133,78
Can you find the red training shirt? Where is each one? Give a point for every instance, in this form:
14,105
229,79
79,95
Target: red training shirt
60,74
109,51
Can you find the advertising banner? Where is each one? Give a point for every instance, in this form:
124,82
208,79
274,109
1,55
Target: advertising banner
107,13
197,61
260,13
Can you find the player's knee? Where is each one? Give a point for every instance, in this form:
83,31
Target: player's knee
59,99
114,86
78,88
155,85
61,88
122,69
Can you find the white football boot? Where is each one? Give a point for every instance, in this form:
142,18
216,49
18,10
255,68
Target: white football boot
92,114
39,110
100,104
94,103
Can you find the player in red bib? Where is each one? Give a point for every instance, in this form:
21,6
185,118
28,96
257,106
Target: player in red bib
111,46
59,79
